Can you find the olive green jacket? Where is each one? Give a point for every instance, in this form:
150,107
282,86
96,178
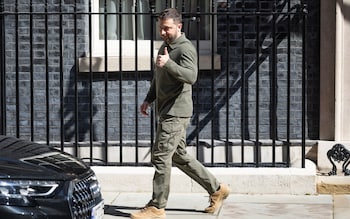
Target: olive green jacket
171,86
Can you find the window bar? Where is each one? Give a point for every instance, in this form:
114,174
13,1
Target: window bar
47,79
76,101
304,75
213,114
120,85
288,82
31,71
183,6
136,86
106,80
257,92
91,74
212,67
243,93
227,141
273,87
153,21
61,75
17,74
2,71
197,84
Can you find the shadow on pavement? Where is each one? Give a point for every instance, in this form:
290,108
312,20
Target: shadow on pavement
114,210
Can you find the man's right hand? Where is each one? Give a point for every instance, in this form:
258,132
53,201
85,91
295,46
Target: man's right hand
162,59
144,108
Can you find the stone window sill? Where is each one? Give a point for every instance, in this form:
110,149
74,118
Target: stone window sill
143,63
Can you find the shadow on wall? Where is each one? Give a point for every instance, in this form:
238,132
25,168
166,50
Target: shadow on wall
77,110
235,77
78,117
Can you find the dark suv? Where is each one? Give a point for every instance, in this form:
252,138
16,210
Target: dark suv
38,181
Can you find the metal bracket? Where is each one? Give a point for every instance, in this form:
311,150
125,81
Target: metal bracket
339,154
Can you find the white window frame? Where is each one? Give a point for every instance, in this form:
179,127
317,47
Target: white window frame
128,52
113,46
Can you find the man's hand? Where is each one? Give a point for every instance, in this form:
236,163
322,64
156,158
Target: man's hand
162,59
144,108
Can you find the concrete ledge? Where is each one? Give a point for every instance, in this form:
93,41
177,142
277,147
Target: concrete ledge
296,181
333,184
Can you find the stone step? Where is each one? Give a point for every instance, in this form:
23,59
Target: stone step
296,181
333,184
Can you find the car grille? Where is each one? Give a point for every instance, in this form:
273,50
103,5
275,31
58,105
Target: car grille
83,198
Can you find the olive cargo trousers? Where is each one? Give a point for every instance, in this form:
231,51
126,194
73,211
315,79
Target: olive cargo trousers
170,148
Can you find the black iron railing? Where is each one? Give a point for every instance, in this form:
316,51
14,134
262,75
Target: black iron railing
249,99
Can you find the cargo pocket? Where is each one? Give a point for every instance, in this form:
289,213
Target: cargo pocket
171,133
171,127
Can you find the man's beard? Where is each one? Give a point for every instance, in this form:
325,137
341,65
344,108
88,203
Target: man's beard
169,40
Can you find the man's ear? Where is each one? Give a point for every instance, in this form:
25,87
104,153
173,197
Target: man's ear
179,26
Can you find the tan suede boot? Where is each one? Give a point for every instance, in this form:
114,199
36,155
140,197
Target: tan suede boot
217,198
149,212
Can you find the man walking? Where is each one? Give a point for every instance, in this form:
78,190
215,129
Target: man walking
171,90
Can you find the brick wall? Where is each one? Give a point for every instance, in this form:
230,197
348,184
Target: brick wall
53,78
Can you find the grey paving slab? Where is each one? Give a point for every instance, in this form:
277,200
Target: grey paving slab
191,205
341,206
278,206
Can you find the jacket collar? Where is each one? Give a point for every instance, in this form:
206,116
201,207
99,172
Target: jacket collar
177,41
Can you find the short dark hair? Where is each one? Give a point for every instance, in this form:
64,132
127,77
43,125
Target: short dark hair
171,13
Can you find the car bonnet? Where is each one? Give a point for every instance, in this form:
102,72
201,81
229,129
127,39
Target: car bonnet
24,159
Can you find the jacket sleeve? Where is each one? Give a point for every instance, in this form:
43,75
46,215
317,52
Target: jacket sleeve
151,95
186,69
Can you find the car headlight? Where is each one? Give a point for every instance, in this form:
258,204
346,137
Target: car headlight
19,192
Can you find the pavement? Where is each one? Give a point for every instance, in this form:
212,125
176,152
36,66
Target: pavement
238,206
